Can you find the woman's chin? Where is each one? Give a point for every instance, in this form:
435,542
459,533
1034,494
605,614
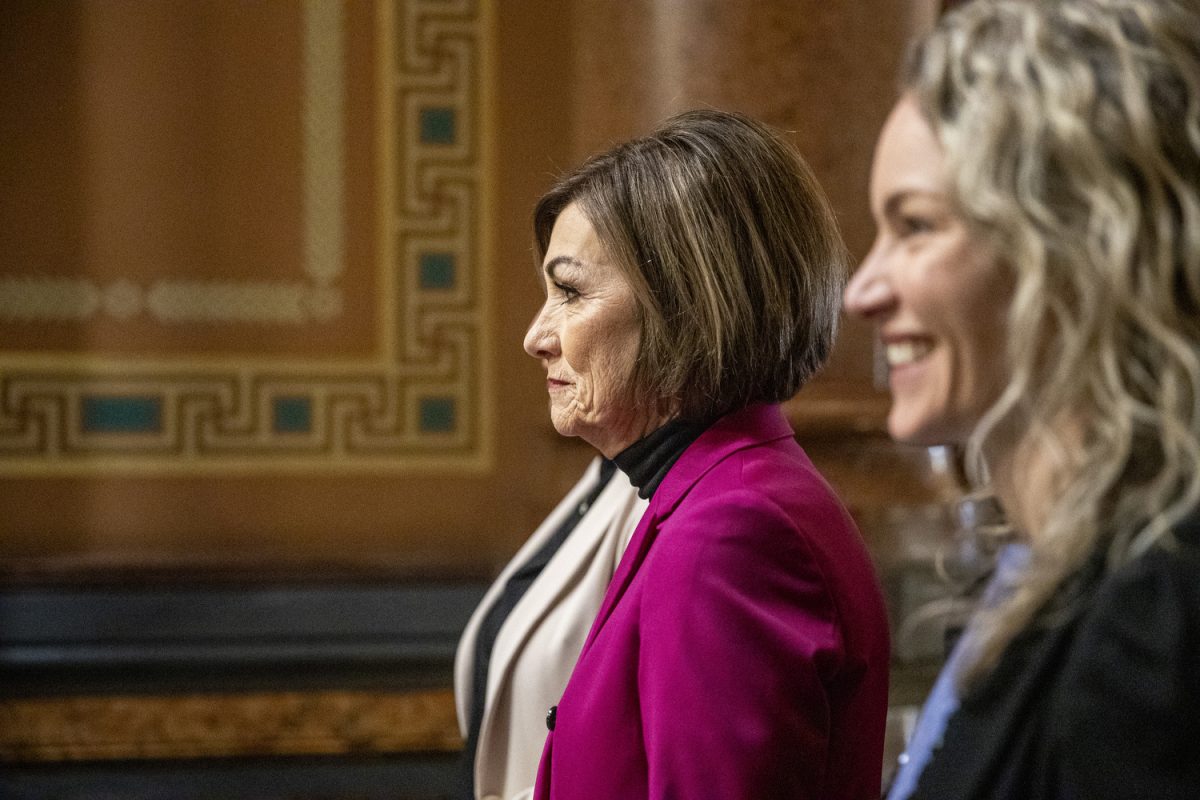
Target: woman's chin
564,427
925,429
569,425
914,429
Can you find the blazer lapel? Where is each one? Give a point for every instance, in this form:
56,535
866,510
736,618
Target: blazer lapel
635,553
741,429
464,661
569,565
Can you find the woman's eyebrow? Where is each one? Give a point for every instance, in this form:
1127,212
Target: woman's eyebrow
892,205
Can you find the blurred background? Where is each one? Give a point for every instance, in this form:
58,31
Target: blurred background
266,426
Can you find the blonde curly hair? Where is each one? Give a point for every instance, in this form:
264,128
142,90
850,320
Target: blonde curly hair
1071,131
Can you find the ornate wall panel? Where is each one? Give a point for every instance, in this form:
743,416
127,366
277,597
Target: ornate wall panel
224,726
278,346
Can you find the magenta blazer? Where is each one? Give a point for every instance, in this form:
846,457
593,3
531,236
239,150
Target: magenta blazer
741,651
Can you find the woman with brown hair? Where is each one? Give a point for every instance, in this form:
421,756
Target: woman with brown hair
692,284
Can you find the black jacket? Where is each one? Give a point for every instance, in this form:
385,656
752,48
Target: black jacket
1102,705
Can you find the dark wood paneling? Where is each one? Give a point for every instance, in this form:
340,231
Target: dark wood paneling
220,637
410,777
99,682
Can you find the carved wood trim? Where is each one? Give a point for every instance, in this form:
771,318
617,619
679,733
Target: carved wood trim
226,725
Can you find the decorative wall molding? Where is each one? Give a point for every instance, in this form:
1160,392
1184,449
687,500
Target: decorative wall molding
40,298
222,669
385,631
126,727
224,686
324,142
418,403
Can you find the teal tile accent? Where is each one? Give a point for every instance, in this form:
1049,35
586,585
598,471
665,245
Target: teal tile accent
120,414
437,415
293,415
437,270
438,126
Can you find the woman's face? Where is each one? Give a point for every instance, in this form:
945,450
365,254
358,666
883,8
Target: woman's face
937,294
587,336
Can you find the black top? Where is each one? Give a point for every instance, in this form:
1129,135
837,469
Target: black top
1101,701
489,627
648,460
645,462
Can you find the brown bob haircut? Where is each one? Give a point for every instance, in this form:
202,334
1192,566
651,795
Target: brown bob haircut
731,249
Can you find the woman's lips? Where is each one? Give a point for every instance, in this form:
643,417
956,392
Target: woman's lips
905,357
902,352
553,384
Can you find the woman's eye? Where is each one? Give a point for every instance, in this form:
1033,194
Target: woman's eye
568,293
911,226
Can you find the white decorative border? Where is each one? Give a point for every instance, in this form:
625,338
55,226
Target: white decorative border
324,141
216,412
37,298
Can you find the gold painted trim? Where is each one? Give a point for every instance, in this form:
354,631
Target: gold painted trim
174,300
215,420
385,25
488,235
226,725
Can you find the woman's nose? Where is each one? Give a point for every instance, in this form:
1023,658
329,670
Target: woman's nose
869,291
540,340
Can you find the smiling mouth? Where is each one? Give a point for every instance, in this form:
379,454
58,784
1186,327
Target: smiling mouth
906,352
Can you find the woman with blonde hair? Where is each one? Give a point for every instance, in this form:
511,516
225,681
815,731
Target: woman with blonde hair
1036,285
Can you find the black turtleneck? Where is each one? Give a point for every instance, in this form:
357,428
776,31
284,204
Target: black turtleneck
648,460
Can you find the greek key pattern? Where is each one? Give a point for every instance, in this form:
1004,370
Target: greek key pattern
416,404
